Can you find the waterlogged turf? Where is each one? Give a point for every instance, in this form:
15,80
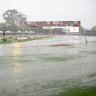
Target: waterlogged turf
89,91
27,70
63,58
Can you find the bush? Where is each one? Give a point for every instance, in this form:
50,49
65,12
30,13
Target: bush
4,39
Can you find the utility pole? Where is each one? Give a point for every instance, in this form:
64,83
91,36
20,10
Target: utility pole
85,36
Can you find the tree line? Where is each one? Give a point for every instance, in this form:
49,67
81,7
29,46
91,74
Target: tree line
93,28
14,21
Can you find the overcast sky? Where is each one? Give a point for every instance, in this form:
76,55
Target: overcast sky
61,10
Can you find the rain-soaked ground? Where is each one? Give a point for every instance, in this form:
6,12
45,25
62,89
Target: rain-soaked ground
34,69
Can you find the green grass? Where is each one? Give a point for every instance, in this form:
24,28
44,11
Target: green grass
9,40
57,58
92,75
89,52
12,39
87,91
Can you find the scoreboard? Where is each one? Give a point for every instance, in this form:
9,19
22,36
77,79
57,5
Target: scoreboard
52,23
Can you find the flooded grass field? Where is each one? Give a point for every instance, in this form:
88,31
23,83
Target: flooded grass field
34,69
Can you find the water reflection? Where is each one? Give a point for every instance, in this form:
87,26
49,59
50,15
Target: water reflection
16,68
16,57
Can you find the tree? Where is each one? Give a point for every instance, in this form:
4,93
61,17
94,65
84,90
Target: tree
3,26
93,28
14,17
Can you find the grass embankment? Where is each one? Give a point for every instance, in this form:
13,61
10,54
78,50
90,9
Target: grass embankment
8,40
87,91
13,39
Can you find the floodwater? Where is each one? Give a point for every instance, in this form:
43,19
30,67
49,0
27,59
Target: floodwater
34,69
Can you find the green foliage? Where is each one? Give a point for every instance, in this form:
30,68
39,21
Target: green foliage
14,17
14,28
14,21
4,39
93,28
3,26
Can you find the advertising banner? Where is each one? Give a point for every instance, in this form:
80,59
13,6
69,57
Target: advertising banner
53,23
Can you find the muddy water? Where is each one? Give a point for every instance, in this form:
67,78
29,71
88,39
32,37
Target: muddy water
29,69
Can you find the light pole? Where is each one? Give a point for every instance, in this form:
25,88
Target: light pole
85,36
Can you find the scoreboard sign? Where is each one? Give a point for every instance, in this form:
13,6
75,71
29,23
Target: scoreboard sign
74,29
52,23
